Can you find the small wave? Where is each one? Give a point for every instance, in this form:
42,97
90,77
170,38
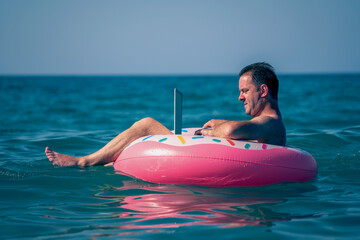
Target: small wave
13,130
6,174
317,139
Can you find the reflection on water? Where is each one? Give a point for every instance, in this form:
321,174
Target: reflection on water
169,206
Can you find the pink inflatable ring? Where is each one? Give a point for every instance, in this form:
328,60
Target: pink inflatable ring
216,162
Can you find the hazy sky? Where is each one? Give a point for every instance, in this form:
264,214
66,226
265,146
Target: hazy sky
178,37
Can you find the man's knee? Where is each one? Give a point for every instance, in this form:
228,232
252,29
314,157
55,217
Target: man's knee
148,121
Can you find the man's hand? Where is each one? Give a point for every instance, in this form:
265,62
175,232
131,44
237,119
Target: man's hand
212,126
213,123
207,132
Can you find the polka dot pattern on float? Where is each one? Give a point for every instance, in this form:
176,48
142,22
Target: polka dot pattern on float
182,140
189,140
196,137
147,138
231,142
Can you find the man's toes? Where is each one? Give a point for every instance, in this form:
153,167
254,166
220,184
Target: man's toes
48,150
51,159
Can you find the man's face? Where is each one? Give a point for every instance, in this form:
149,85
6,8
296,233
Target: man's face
250,95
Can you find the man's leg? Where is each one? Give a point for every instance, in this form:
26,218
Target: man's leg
111,150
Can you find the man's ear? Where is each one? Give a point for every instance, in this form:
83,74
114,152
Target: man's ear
264,90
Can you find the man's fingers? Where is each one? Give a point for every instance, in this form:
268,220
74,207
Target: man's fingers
206,125
207,132
209,124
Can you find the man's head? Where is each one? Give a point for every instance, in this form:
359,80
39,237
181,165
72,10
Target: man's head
258,85
263,73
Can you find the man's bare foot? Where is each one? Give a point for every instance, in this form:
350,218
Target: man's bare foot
62,159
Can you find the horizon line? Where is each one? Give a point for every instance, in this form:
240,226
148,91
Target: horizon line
163,74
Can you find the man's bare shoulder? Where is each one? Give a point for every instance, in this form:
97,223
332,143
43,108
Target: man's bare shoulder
273,129
266,119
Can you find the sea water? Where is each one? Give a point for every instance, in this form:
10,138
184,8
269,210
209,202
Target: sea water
78,115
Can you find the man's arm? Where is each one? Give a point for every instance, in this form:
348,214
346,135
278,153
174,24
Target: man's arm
254,129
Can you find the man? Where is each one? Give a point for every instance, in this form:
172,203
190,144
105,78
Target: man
258,87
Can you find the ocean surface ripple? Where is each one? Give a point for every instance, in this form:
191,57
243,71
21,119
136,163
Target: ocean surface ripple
78,115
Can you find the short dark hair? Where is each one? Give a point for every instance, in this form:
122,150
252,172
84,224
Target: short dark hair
263,73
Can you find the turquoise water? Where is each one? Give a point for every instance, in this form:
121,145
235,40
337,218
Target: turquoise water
78,115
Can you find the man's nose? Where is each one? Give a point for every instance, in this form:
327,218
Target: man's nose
241,97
